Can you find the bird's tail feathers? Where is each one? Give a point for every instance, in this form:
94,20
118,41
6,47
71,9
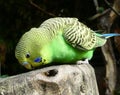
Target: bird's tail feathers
99,31
108,35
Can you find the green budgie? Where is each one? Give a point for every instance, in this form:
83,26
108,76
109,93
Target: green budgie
62,40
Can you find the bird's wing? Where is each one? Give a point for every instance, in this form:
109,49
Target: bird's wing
80,36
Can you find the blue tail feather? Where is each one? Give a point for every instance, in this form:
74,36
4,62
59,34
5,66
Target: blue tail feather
108,35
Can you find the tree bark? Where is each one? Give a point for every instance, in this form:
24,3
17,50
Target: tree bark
107,22
110,68
54,80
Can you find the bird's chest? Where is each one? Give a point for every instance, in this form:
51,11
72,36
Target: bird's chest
63,52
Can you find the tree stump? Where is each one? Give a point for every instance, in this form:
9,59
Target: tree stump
54,80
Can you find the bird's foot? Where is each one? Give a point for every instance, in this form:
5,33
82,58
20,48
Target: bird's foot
86,61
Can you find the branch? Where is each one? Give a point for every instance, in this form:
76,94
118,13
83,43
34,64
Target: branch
112,8
110,68
115,9
98,15
107,49
54,80
39,8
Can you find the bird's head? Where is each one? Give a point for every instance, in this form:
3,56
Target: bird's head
29,50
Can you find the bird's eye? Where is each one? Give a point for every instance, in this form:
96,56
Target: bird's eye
27,55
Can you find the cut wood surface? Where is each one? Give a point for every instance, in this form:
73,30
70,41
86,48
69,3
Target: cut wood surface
54,80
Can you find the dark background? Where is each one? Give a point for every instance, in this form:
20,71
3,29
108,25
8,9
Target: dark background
18,16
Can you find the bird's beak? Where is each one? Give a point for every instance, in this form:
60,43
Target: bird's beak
27,65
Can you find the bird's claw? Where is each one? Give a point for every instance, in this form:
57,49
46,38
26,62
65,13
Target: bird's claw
86,61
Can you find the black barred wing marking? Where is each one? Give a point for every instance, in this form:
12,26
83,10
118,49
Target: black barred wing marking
80,36
75,33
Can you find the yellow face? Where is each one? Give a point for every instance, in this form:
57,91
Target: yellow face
30,62
27,58
32,55
29,50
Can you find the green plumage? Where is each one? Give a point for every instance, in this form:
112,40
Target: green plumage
62,40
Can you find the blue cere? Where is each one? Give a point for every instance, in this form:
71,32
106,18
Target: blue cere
38,59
